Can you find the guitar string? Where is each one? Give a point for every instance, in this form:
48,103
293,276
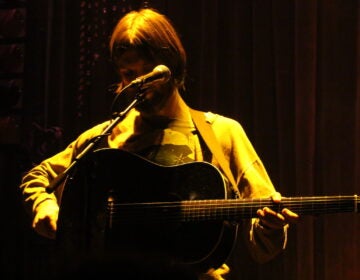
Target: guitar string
204,208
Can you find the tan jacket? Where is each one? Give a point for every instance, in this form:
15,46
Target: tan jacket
249,173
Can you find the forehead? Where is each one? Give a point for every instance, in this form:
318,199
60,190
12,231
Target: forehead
133,57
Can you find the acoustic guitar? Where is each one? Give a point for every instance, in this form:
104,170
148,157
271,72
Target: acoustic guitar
117,203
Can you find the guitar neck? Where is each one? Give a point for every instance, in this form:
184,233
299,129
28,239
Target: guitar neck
230,209
246,208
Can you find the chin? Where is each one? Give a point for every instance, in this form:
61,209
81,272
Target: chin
146,107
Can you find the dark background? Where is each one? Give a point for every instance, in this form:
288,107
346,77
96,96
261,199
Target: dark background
287,70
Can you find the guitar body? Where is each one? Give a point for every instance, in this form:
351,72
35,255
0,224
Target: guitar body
90,224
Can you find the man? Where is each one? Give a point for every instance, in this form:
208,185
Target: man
161,129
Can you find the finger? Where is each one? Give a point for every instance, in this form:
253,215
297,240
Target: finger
271,219
269,211
260,213
266,211
276,197
290,216
35,221
289,213
53,225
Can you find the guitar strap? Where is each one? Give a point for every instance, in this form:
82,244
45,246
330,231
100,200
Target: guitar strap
210,140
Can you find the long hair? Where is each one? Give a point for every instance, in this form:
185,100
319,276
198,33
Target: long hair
153,35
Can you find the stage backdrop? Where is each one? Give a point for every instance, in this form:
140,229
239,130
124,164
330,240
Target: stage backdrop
288,70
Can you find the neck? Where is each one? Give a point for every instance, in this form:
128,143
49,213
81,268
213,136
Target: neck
174,108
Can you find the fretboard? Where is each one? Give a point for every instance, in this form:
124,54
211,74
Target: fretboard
228,209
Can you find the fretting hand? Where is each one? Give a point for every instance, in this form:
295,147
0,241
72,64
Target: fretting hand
276,220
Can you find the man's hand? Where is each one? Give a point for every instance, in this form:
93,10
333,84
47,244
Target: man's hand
45,220
274,220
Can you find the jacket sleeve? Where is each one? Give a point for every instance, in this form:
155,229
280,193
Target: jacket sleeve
34,182
264,244
253,182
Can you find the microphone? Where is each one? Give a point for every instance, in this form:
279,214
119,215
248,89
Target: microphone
159,75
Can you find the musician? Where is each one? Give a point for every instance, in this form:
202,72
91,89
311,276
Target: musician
161,129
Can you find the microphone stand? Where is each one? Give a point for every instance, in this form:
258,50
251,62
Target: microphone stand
119,116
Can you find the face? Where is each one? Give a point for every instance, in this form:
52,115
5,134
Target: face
132,66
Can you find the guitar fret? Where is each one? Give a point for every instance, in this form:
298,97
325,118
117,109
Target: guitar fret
356,203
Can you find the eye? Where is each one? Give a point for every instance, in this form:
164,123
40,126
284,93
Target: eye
127,75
